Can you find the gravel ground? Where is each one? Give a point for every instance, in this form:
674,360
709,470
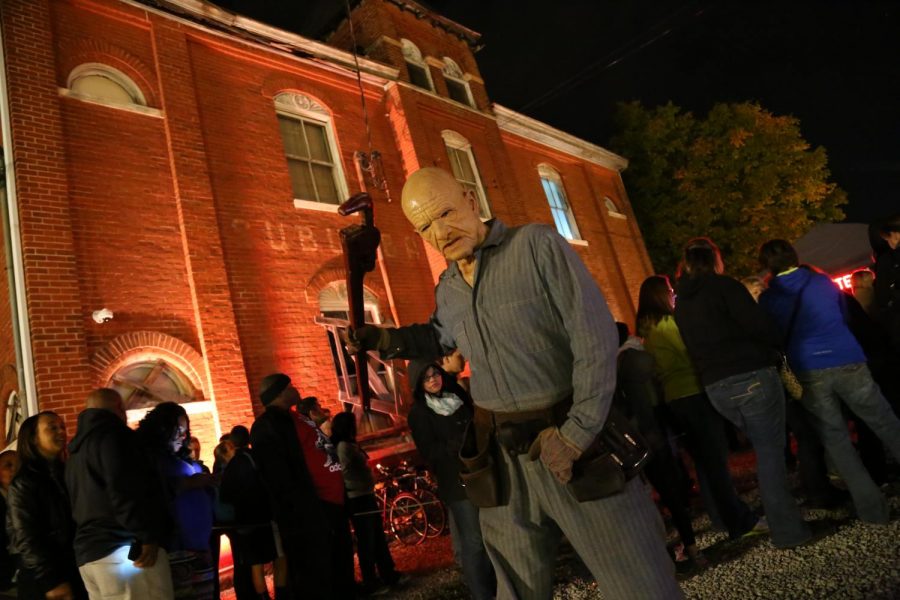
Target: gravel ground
857,561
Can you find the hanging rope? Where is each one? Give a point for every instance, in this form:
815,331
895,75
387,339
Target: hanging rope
362,93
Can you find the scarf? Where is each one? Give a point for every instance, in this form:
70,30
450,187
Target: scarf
445,404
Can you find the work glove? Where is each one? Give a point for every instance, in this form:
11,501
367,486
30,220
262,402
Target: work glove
556,452
367,337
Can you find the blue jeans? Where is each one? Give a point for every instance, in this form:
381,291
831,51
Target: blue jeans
823,391
468,547
754,402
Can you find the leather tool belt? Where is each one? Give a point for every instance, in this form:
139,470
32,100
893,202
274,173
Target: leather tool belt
616,455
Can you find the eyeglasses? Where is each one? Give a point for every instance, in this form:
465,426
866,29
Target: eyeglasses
433,375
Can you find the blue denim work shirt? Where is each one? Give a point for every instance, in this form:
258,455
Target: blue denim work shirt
535,329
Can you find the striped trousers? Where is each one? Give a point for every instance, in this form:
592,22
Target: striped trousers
621,539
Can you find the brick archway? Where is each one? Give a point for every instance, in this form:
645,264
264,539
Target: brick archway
98,51
148,345
333,270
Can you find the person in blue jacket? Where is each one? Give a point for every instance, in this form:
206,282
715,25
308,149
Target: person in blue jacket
830,364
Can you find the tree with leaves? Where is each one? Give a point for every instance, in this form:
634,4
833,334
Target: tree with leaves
740,176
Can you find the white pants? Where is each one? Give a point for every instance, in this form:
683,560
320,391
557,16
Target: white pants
114,577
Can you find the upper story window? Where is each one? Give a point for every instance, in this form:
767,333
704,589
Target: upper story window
465,169
559,204
312,155
612,209
419,73
104,84
457,86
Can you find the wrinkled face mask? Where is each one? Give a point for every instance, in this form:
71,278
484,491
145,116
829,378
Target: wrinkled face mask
443,213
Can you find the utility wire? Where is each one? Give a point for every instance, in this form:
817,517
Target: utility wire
611,59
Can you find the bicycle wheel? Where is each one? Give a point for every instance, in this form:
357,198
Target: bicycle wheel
434,510
409,523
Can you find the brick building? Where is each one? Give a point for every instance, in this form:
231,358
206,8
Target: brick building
180,166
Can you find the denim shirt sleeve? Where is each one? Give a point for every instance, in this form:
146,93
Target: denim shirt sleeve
592,337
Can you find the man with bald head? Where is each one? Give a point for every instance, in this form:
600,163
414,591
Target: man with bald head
119,507
521,306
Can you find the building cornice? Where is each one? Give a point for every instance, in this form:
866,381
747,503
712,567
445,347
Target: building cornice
518,124
470,36
285,41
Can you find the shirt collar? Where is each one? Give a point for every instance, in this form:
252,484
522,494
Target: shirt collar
788,272
497,232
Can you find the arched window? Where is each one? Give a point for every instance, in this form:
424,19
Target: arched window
312,155
419,73
457,86
559,204
333,303
146,383
465,169
105,84
612,209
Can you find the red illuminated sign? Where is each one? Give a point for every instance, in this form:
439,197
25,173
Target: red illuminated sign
845,282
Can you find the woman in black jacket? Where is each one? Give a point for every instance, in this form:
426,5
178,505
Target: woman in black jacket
39,521
438,418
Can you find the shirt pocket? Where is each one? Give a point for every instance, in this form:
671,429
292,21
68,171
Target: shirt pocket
526,324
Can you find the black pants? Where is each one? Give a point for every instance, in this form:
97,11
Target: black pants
810,453
371,545
705,439
665,476
321,567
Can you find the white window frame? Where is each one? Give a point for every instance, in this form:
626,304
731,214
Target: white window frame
550,176
138,101
452,72
457,142
294,105
413,56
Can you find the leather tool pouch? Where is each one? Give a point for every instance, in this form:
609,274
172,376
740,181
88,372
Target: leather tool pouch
480,473
618,453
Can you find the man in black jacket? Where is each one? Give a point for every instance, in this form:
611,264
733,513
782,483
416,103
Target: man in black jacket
118,505
299,514
734,346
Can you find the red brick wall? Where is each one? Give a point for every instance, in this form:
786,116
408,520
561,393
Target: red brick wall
183,222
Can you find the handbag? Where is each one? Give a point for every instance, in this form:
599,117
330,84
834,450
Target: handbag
788,378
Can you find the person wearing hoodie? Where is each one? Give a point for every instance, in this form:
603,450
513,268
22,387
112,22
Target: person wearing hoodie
830,364
440,413
734,346
40,518
119,507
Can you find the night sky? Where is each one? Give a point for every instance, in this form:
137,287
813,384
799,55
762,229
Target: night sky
834,65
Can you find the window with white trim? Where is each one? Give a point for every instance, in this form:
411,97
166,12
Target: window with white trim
104,84
612,208
457,86
559,204
465,169
419,73
312,155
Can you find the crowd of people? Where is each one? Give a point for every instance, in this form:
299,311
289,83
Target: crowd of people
529,449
